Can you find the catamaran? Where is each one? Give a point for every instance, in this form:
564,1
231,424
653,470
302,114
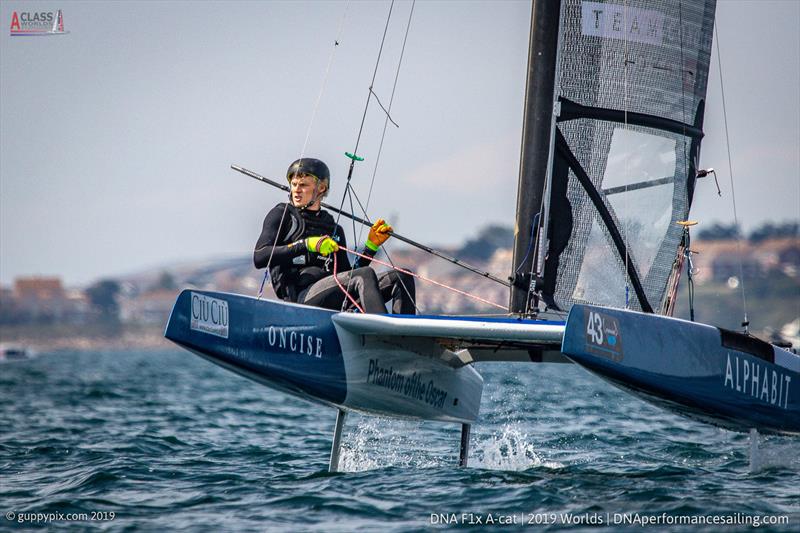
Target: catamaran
613,121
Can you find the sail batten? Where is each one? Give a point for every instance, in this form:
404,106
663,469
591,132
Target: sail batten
631,87
571,110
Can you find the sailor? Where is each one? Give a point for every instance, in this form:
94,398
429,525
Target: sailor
299,239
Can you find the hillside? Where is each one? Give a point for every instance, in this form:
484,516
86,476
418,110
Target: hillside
133,309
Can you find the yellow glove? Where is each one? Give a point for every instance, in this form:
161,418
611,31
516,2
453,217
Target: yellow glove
322,245
378,233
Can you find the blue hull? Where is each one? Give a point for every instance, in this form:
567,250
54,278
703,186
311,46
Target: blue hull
716,376
305,351
290,348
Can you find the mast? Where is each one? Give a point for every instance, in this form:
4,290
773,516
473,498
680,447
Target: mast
536,142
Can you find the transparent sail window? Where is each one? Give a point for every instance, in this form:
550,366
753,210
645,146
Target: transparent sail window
639,184
638,188
636,159
601,278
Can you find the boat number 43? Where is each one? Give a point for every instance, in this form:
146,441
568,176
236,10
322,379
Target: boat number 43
603,335
594,328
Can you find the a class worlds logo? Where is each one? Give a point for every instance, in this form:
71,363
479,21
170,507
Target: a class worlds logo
37,23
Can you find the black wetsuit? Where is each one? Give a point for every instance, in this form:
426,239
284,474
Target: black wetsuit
306,277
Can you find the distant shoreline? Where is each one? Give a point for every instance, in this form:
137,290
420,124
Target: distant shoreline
52,337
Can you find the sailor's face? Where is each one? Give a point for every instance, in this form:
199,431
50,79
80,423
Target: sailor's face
303,188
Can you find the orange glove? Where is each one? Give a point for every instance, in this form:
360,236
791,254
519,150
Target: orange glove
378,234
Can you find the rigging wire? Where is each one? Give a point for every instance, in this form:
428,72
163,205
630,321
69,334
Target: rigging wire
745,322
386,121
325,77
687,251
354,156
534,227
533,245
625,173
331,57
423,278
370,93
374,75
540,242
689,273
341,287
274,244
389,110
426,249
385,251
350,190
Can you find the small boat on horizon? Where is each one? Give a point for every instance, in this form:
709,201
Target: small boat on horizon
14,352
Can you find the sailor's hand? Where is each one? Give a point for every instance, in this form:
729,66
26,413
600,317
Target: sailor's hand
323,245
378,234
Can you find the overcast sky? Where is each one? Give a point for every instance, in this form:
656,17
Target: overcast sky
116,138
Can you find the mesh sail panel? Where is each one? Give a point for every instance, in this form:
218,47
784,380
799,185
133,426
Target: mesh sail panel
631,84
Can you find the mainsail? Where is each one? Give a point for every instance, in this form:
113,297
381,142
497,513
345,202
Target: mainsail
630,89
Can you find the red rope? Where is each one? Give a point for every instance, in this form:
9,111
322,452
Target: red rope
423,278
342,287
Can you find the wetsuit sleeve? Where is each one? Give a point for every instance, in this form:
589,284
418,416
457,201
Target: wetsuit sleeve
282,254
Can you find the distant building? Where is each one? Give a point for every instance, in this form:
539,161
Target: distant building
10,312
38,288
41,298
152,307
80,309
780,254
435,299
233,281
718,261
6,294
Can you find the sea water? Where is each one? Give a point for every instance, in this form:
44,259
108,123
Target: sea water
167,441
